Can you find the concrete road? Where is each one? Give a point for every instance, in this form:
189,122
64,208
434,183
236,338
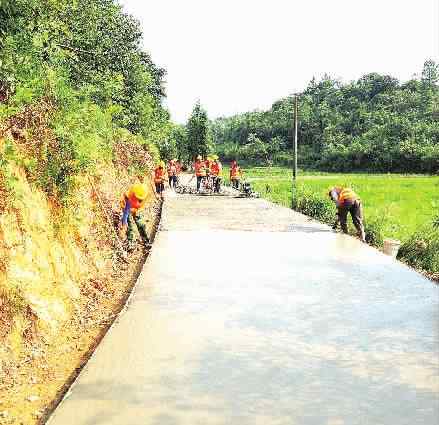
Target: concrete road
247,313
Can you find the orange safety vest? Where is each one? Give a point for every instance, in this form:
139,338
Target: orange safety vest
135,203
235,172
347,194
159,175
200,169
216,168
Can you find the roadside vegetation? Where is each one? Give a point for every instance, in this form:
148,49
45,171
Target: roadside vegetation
81,118
358,134
403,207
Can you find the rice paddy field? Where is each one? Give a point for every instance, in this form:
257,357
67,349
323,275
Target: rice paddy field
404,203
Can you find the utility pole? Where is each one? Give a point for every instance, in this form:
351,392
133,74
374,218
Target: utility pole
293,185
295,138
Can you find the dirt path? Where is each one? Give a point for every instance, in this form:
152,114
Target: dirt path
248,313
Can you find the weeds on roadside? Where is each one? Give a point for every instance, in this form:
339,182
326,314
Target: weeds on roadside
421,250
312,204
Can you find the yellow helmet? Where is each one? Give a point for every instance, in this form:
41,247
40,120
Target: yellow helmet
161,163
215,157
140,191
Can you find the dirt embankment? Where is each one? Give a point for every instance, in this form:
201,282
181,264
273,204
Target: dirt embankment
62,281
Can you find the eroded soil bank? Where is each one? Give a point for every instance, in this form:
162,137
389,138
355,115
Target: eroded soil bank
35,375
62,282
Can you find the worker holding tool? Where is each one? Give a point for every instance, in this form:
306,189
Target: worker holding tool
200,170
217,170
235,174
347,201
159,179
133,200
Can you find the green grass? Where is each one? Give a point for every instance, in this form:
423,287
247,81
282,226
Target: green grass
404,203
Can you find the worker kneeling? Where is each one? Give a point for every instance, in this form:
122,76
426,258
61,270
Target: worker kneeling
131,203
347,201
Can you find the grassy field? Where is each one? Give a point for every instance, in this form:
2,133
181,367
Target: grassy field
403,202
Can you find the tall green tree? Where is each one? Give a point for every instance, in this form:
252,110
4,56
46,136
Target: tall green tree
198,132
430,73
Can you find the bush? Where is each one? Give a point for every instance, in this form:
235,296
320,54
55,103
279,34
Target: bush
374,229
313,205
421,250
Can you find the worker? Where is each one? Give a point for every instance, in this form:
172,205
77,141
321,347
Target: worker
217,170
346,201
131,203
172,174
235,174
208,164
178,168
200,170
159,179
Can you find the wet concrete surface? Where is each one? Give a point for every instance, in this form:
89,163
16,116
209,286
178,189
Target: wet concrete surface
248,313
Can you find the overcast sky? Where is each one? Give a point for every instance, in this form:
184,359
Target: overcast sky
241,55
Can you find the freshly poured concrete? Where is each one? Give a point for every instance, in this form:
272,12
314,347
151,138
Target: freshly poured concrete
280,323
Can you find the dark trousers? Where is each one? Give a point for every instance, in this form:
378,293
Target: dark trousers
216,183
199,178
139,221
356,211
172,181
235,183
159,187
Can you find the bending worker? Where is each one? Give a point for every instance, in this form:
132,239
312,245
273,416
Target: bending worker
346,201
131,203
200,170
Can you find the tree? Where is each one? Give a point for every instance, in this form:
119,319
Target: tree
198,132
179,134
430,73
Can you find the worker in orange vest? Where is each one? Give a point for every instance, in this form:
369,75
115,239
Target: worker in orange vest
132,201
159,179
200,170
347,201
172,174
235,174
208,164
178,167
217,171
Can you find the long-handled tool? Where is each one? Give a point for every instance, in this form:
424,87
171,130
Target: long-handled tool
122,252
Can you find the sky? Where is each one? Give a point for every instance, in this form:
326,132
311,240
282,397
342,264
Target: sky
241,55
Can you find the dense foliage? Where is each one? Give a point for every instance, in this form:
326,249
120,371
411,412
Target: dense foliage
197,132
83,60
376,123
